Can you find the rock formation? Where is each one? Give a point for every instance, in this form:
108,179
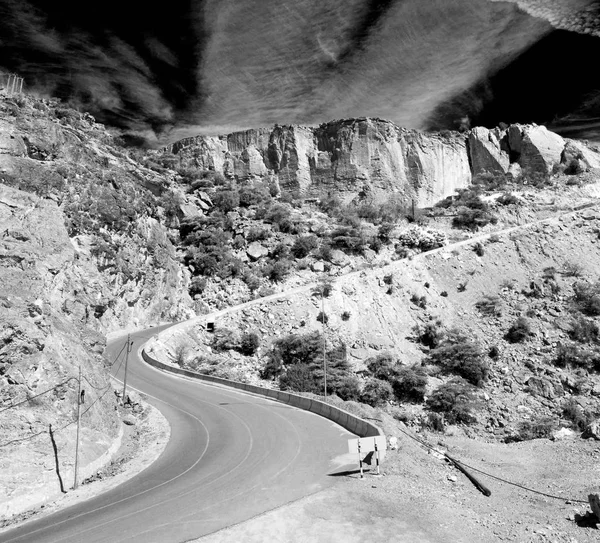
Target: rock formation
376,159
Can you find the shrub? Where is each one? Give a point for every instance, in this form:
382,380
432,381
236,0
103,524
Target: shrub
473,219
226,200
197,285
349,239
347,387
463,358
572,356
456,400
250,196
572,269
419,301
346,316
479,249
494,352
251,280
330,204
384,366
410,384
384,232
303,245
519,331
322,317
541,427
508,199
377,393
225,339
300,378
587,297
276,271
583,330
277,214
181,352
431,334
324,287
424,239
578,418
258,234
249,343
490,305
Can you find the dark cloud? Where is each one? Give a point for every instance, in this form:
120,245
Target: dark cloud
167,71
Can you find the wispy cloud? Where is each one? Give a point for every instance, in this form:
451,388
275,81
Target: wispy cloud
214,65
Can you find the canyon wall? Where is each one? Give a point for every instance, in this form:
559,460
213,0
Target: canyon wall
375,158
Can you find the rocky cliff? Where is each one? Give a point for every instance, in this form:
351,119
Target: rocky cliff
361,157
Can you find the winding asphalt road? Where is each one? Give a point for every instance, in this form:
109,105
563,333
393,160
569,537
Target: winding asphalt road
231,456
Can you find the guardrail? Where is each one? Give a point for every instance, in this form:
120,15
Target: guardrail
350,422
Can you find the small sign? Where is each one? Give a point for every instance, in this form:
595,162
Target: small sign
367,444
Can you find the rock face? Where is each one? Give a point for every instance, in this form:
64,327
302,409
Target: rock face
375,159
359,157
40,347
486,152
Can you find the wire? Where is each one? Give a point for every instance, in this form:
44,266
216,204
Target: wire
117,357
562,498
38,395
92,385
109,387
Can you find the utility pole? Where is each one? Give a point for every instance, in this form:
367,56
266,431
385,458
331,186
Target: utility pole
324,358
126,361
76,482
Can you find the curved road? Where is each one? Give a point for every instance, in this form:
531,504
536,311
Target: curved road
231,456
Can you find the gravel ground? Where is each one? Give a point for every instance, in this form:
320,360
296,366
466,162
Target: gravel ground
422,498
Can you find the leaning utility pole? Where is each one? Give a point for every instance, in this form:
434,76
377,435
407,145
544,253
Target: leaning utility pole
76,482
126,361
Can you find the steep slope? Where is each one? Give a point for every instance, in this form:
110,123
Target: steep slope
82,252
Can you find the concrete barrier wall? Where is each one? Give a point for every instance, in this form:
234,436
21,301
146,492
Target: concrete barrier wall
350,422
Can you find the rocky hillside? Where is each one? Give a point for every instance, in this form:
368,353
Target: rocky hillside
82,251
95,237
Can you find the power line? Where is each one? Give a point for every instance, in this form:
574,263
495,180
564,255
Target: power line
92,385
562,498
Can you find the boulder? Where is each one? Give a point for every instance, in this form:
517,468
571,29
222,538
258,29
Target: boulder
256,251
338,257
593,430
515,137
540,386
189,211
318,266
563,434
485,152
576,150
541,149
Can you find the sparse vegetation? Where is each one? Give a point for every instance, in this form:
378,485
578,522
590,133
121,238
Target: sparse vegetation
587,298
519,331
490,306
462,357
456,400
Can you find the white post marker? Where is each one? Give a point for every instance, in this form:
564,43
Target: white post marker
367,444
360,460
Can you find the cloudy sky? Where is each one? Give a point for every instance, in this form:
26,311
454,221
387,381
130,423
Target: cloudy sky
167,70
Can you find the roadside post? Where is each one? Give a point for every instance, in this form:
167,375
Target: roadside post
360,460
367,444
